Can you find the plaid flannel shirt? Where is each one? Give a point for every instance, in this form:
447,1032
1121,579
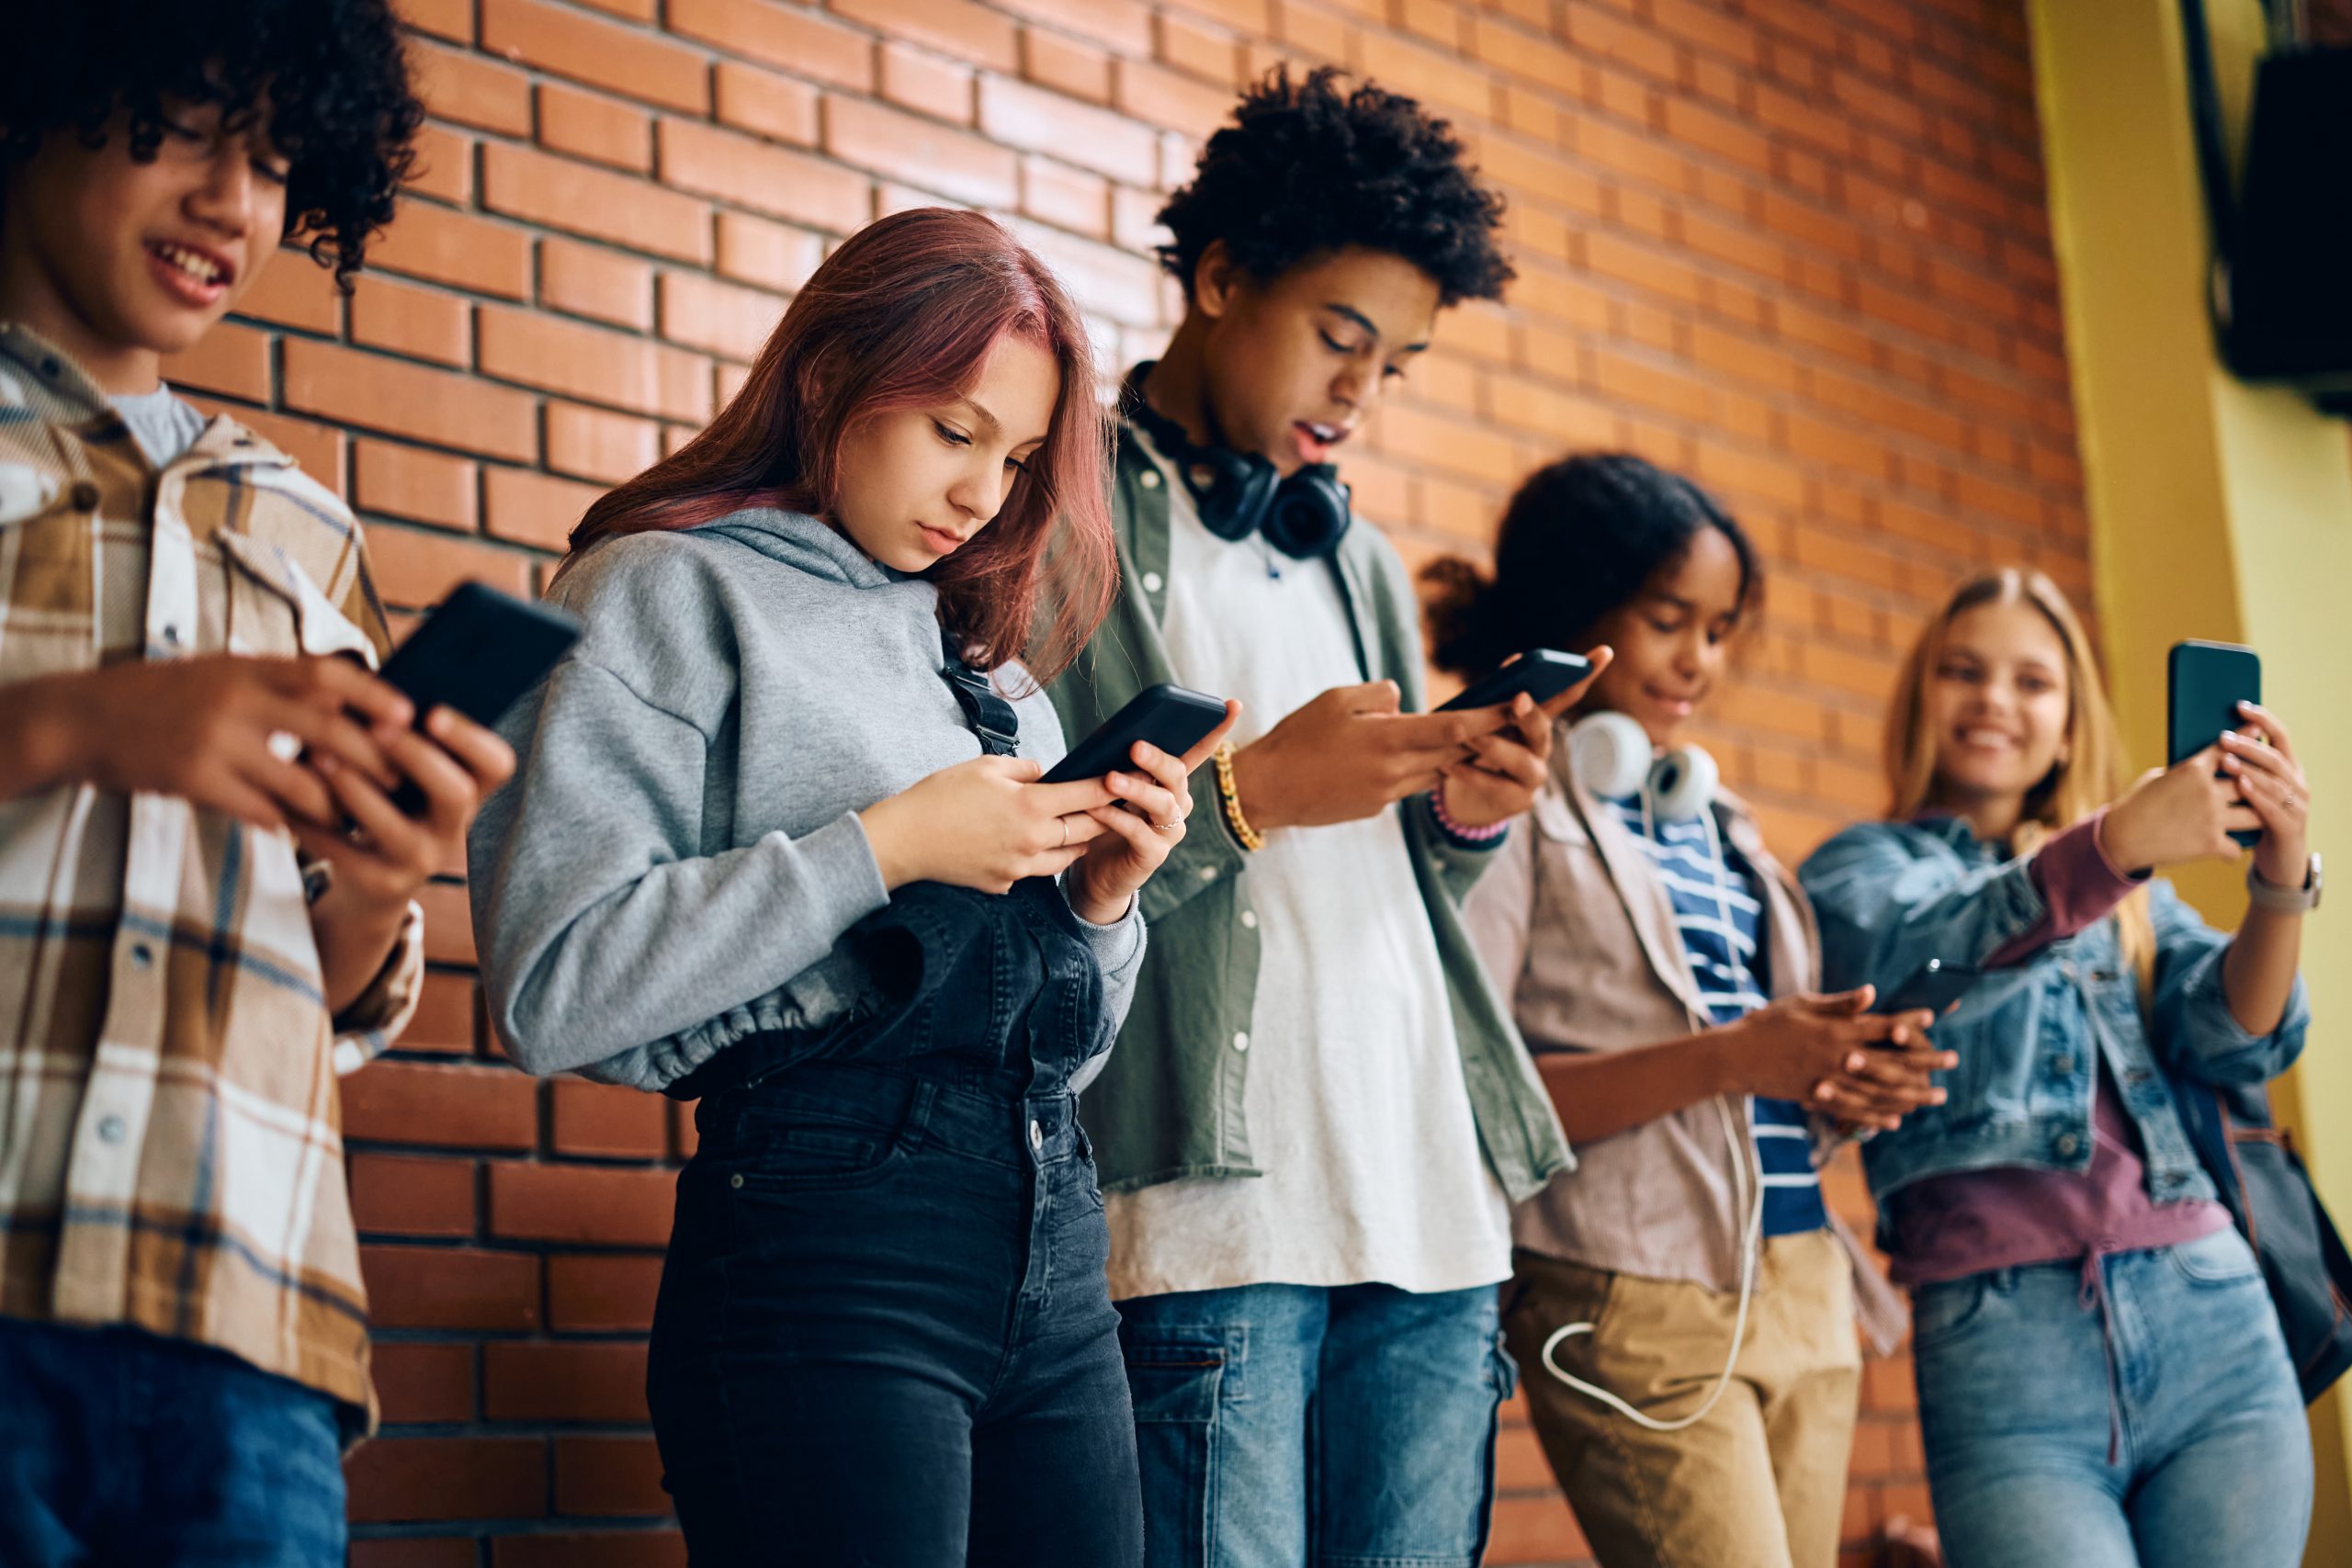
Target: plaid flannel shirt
171,1148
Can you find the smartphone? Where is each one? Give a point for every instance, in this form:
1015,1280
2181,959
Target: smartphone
2206,681
1932,987
476,652
1542,672
1170,716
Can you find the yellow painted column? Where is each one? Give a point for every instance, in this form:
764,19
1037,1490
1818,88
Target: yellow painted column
2216,510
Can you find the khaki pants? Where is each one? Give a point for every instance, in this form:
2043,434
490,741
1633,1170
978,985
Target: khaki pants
1762,1482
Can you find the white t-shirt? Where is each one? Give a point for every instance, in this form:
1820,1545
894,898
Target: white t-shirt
1357,1111
164,424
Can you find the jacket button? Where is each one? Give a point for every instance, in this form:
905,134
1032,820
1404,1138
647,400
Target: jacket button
1149,478
111,1129
1151,582
1037,1138
1241,1041
2066,1146
1249,920
84,497
1208,873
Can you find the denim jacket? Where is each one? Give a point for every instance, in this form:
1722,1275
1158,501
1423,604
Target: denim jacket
1892,895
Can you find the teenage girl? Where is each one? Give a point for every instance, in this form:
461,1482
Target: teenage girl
2102,1380
779,841
1662,966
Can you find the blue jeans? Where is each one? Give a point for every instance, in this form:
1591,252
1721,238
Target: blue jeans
883,1338
2213,1462
120,1448
1283,1425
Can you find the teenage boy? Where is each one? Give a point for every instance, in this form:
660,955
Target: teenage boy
1318,1112
205,904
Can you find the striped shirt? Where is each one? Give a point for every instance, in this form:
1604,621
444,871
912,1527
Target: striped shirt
171,1150
1718,914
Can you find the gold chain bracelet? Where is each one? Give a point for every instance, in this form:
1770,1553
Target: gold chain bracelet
1230,799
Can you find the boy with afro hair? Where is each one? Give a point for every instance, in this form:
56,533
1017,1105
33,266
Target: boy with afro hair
1318,1113
207,903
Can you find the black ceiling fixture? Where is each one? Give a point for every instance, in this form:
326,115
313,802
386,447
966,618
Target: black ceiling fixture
2282,235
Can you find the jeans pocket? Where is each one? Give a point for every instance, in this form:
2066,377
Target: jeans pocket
1942,1312
2215,1261
788,1141
1177,1383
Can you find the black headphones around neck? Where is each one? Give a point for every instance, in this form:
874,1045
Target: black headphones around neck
1240,493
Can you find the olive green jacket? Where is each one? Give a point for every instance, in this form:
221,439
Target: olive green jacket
1170,1103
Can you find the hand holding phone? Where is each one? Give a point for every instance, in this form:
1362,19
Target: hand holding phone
1170,716
1542,673
2205,683
478,652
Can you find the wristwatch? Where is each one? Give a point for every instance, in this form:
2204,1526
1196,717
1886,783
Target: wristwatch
2268,894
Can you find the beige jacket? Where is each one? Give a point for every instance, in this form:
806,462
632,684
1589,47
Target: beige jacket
1579,937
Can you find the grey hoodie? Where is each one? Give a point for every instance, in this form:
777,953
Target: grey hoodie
679,851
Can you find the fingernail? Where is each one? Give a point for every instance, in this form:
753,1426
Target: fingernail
1940,1096
1854,1062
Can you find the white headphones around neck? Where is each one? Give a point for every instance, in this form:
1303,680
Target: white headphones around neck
1613,758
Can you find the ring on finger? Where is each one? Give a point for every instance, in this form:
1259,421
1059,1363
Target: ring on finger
1065,843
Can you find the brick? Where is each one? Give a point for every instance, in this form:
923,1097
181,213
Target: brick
410,482
597,444
771,255
589,280
445,166
292,290
424,1382
926,84
720,318
460,85
599,203
608,1477
230,359
646,1549
749,173
779,35
593,365
765,104
1123,25
535,509
632,61
685,1133
1066,198
588,126
607,1121
376,393
957,27
451,1288
444,1021
1153,93
563,1382
1210,54
413,1551
936,157
451,19
1036,121
442,1104
395,1479
413,1195
415,570
455,248
419,322
580,1203
594,1292
1065,65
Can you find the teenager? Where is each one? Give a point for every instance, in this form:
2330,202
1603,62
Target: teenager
1319,1110
1663,968
2102,1380
831,897
200,925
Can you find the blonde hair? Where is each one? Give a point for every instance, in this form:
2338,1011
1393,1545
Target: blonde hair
2091,770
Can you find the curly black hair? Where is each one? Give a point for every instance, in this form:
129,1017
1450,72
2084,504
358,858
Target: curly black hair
329,75
1579,539
1307,168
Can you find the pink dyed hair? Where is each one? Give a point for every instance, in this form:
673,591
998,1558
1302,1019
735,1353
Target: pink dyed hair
902,316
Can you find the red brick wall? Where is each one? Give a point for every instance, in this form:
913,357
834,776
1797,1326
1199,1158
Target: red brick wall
1796,247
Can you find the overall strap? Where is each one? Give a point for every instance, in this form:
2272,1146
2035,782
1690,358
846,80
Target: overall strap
990,717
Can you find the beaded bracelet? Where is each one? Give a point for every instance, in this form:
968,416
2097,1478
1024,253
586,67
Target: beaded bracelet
1230,799
1455,830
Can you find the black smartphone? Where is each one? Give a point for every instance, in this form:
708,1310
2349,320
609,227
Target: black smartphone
476,652
1170,716
1542,672
1933,987
2205,682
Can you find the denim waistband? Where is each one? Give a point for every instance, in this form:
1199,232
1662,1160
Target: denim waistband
961,1110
